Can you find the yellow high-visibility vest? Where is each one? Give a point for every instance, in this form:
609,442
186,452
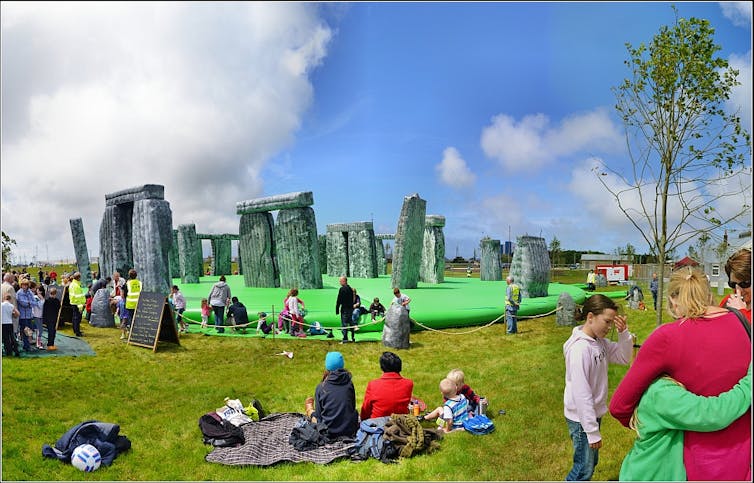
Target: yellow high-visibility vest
76,293
132,297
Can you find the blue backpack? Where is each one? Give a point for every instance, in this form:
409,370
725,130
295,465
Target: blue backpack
479,424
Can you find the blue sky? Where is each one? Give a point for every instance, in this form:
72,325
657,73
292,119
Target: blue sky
492,112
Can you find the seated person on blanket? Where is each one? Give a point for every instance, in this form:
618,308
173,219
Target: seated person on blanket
391,393
237,311
334,402
454,410
457,376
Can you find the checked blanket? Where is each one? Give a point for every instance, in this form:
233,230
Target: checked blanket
267,444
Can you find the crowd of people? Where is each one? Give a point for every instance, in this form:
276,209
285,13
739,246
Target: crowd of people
687,393
36,305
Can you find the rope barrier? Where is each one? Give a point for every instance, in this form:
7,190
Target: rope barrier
380,320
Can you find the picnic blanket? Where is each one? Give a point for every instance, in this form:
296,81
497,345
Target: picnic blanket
267,444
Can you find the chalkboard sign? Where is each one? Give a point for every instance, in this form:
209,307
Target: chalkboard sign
152,321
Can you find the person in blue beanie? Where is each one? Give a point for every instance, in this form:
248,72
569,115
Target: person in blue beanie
334,402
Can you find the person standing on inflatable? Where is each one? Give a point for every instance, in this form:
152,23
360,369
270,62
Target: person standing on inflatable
512,303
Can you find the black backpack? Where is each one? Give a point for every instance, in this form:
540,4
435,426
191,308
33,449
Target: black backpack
220,432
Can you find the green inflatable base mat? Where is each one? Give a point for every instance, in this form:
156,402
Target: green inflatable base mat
457,302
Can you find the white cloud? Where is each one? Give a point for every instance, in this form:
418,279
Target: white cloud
606,219
532,143
103,97
737,12
453,170
740,99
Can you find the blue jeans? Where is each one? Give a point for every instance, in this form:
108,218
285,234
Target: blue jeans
584,457
511,319
22,323
219,317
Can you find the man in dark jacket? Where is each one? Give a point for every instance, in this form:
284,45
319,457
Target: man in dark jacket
237,310
344,306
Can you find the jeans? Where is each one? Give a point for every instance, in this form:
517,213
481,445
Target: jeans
23,323
345,321
219,317
654,298
584,457
38,325
511,320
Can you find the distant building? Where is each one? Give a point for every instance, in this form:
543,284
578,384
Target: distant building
589,261
507,248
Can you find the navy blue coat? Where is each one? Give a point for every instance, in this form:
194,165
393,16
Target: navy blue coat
103,436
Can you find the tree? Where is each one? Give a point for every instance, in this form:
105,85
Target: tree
7,248
699,251
687,153
555,251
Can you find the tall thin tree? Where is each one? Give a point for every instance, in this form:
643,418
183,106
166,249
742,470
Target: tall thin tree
687,153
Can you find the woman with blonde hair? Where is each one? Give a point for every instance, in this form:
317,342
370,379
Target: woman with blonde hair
708,351
738,269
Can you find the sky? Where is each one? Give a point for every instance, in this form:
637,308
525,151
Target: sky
494,113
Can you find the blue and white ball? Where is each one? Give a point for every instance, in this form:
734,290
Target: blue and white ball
86,458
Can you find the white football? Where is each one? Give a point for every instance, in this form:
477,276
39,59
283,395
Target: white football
86,458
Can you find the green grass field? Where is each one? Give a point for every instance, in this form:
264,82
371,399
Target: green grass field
158,397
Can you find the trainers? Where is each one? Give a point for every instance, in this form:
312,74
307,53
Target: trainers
122,336
51,348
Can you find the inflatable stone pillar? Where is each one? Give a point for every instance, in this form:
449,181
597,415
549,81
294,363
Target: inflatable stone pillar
397,330
337,251
79,247
256,249
152,238
136,233
489,265
101,315
322,240
220,255
409,240
187,248
298,248
566,310
433,252
175,266
116,253
379,249
258,245
530,266
380,244
362,257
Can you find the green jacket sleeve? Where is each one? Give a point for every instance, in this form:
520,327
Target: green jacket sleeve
677,408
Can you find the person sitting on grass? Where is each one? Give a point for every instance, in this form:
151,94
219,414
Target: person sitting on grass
475,401
453,412
334,401
391,393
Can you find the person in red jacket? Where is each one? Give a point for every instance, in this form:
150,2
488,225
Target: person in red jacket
391,393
